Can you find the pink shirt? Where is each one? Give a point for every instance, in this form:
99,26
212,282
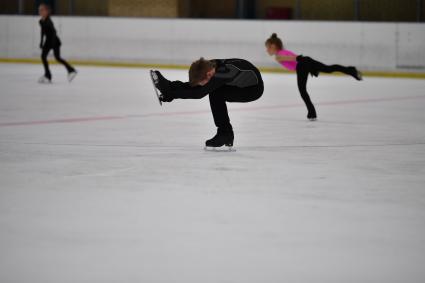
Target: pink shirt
291,66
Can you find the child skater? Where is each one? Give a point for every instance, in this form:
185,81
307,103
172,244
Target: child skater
224,80
304,66
50,40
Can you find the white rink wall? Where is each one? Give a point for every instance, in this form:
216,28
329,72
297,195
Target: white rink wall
371,46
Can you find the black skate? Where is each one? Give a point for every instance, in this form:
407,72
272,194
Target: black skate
162,83
155,82
359,75
356,73
222,140
161,86
312,116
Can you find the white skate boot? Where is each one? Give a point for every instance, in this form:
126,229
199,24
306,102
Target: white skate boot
44,80
72,75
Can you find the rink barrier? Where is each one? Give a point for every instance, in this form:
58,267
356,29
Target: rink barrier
387,47
381,74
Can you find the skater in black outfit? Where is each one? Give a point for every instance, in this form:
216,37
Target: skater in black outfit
304,66
49,40
225,80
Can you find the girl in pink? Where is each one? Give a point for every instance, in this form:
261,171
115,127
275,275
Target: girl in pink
304,66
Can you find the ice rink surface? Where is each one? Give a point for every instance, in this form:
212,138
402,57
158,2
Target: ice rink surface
98,183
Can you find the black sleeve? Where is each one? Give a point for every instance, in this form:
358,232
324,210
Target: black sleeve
185,91
49,23
41,34
50,31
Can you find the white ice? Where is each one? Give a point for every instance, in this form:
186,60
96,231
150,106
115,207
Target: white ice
98,183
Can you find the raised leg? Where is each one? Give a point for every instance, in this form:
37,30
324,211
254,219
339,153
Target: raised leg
350,71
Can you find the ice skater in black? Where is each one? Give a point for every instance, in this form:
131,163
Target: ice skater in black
304,66
224,80
50,40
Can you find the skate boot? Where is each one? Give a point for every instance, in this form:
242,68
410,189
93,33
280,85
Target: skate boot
72,75
44,80
161,86
312,116
161,83
164,97
356,73
224,137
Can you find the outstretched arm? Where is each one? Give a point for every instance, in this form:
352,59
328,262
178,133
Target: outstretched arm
185,91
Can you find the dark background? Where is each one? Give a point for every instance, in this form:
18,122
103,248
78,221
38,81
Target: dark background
336,10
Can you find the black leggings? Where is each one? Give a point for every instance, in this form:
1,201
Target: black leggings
220,96
306,66
56,53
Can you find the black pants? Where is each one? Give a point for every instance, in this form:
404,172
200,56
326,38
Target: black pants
306,66
220,96
224,94
56,53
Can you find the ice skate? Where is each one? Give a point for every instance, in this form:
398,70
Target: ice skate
161,86
356,73
312,116
72,75
155,82
161,83
44,80
222,141
359,75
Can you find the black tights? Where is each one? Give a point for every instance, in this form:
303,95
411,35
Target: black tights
56,53
220,96
307,66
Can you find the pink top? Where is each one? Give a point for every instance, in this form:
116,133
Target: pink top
290,65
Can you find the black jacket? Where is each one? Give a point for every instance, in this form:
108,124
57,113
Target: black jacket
229,72
48,32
